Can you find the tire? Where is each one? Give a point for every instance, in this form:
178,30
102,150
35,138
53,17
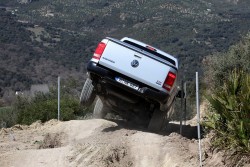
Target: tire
100,109
87,95
160,120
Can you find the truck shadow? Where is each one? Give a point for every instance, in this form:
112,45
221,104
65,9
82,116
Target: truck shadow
189,132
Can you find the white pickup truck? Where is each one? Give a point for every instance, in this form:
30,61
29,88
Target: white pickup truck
133,79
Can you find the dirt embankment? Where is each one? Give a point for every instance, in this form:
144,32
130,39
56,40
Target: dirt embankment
98,143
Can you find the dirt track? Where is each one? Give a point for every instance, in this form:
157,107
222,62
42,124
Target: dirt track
96,143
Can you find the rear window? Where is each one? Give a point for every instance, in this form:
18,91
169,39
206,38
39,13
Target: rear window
150,51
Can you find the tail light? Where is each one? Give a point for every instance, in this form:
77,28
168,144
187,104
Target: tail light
99,50
169,82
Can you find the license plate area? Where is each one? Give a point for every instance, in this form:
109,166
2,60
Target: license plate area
127,83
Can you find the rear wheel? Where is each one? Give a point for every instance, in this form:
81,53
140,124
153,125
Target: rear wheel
100,109
160,119
87,95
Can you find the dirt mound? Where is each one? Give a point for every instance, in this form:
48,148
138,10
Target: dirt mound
96,143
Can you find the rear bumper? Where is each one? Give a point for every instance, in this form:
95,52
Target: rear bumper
106,77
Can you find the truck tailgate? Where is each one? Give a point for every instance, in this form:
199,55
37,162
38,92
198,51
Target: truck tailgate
120,58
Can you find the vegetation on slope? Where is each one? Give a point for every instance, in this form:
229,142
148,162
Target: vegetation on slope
229,115
28,109
33,55
44,39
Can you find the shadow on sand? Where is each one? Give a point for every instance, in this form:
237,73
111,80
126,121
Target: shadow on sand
188,131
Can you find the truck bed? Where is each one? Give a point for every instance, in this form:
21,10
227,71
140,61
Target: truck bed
134,63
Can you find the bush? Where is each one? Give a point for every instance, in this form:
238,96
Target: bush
45,107
229,115
228,82
8,117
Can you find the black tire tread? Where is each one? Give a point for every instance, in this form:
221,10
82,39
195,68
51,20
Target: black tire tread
87,95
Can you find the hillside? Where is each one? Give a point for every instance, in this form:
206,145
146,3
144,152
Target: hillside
42,39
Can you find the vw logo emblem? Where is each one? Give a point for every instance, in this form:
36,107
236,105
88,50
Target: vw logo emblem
135,63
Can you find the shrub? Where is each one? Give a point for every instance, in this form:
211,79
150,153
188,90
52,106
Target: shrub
8,117
45,107
229,115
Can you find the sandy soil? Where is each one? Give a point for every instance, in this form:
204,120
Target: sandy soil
99,143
